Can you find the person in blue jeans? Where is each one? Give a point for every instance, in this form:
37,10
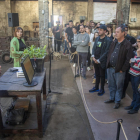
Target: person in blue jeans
118,58
65,45
66,48
135,81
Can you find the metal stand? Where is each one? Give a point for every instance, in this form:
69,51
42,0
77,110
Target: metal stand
118,129
49,91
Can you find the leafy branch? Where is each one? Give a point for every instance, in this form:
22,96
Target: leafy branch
34,52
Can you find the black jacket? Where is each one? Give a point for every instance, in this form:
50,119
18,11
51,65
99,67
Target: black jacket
104,50
125,54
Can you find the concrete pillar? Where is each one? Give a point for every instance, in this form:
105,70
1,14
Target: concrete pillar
90,10
8,10
123,9
50,10
43,21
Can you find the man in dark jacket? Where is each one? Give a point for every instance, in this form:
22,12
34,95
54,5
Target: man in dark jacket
118,58
99,54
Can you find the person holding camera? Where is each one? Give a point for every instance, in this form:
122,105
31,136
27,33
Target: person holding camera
135,80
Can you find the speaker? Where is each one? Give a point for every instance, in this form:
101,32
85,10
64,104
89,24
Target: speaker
13,20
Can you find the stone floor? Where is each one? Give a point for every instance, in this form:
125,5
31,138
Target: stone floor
105,112
65,117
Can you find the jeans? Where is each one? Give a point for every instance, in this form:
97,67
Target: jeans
115,84
57,43
88,57
82,59
100,74
66,48
135,81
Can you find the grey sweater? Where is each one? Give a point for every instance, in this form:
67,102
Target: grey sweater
82,46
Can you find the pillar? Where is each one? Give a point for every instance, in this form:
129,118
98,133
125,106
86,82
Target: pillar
90,10
123,9
43,21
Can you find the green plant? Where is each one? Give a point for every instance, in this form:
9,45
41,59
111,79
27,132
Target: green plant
34,52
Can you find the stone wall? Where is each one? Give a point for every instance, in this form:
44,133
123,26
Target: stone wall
70,10
104,11
28,12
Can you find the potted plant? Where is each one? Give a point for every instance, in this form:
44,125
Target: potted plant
37,56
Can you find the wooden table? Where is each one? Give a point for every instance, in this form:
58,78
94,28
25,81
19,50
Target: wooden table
11,86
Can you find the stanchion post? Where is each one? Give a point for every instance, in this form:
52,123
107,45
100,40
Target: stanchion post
119,128
49,91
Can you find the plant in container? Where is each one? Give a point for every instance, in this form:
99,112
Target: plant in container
37,56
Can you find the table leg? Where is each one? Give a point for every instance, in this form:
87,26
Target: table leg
39,114
44,88
1,123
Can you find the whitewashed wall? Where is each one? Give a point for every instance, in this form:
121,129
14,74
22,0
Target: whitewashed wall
104,11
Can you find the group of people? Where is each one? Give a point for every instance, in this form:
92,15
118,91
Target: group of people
114,56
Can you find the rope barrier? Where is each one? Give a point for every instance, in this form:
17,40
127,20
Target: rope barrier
71,57
89,110
123,131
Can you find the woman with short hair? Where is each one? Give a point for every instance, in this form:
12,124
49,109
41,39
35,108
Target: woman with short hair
17,46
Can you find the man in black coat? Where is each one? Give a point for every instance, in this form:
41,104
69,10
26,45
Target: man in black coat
99,55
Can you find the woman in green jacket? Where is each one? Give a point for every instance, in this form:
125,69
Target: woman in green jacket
17,46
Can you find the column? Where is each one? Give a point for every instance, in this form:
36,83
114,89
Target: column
90,10
8,10
43,21
123,9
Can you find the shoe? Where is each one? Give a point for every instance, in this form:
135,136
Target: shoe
84,77
116,106
132,111
94,89
77,75
128,108
101,92
138,128
74,65
109,101
94,81
88,68
64,54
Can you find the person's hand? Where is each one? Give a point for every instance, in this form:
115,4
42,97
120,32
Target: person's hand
96,62
138,52
130,61
57,31
70,45
67,40
94,59
121,71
